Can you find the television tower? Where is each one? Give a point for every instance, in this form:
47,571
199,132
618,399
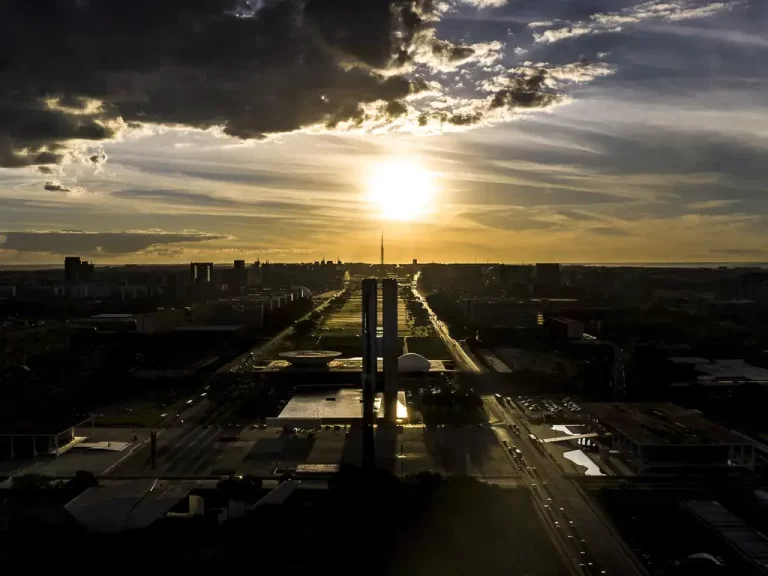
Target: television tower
382,253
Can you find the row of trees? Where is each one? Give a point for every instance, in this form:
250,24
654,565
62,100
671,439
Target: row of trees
311,323
416,311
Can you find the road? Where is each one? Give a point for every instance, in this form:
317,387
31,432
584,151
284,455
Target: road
186,448
463,358
253,356
582,534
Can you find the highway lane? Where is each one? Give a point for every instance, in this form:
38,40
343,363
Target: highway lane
463,358
584,539
590,544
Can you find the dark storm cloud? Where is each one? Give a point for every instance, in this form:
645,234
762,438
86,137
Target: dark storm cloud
83,69
78,242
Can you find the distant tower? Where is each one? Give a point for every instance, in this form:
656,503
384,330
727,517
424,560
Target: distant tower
382,253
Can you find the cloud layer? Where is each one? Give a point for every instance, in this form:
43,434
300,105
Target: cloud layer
84,71
96,243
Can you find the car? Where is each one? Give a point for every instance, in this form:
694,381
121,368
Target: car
557,524
337,427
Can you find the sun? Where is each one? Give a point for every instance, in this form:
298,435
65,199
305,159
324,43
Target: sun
401,190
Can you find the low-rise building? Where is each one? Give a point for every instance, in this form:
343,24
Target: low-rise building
663,438
563,328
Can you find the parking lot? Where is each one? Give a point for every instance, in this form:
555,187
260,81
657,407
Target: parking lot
536,407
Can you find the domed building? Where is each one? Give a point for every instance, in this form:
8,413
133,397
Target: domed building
309,358
412,363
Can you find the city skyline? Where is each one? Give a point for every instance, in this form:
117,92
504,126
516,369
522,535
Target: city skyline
507,131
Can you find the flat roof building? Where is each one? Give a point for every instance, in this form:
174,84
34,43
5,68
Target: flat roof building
751,546
356,365
331,406
663,438
695,370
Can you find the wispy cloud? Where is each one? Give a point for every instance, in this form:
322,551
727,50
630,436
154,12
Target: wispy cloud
654,10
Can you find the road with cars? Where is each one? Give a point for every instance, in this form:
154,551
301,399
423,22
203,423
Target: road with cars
184,438
581,532
464,359
582,535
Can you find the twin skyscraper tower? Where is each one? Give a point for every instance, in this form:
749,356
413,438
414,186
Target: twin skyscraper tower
372,347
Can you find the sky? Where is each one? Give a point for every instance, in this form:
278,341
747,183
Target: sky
466,130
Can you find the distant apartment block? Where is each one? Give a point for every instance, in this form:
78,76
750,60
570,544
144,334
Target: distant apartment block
200,273
76,271
501,312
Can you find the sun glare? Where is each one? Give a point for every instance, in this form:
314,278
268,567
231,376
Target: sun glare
401,190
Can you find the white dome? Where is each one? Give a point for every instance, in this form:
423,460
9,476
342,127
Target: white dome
412,363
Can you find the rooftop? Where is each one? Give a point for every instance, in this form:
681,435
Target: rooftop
349,365
723,370
332,405
746,541
306,358
127,504
211,328
662,423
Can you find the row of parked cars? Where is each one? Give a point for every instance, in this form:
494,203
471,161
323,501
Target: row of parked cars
548,405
